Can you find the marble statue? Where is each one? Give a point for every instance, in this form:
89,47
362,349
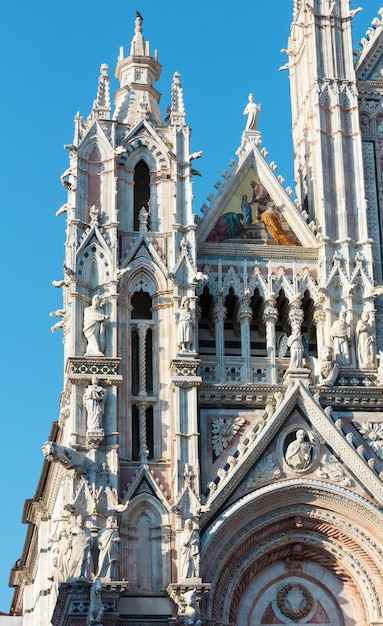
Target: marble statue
96,607
298,453
340,336
94,401
329,369
143,218
108,544
295,344
189,551
252,111
185,319
60,552
379,356
364,342
191,614
94,331
80,559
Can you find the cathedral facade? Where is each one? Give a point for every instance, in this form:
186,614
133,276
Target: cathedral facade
218,457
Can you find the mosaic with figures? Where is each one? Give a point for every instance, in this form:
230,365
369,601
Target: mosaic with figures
251,214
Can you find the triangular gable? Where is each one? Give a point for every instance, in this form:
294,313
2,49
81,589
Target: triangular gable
329,448
143,250
143,128
369,63
142,483
252,206
95,136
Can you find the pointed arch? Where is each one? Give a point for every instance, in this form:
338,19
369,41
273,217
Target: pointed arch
141,196
232,333
94,180
206,326
308,328
94,265
257,327
144,534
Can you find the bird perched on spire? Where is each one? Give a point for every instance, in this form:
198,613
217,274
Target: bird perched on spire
138,14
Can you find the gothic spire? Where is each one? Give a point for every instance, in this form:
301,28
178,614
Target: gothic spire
177,109
101,106
137,98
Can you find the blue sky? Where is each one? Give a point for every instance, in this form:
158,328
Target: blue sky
51,55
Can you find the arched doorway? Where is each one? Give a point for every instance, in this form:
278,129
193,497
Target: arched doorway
299,551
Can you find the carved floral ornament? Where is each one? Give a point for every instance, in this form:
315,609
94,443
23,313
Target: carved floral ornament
224,430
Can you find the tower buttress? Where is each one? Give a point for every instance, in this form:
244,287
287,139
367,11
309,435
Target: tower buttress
326,131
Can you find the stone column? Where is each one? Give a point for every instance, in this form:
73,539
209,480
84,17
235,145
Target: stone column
270,316
219,315
244,317
144,451
142,329
319,319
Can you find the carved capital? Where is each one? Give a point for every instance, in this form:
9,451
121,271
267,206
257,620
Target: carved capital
270,313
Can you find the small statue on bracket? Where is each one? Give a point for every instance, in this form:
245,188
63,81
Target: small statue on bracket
185,320
94,401
94,327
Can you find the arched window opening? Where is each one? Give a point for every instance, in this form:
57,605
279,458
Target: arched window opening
141,191
206,327
308,327
142,306
94,181
142,344
232,330
136,442
282,326
143,533
257,326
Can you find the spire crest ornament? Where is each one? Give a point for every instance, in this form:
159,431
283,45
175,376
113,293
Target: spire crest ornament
138,42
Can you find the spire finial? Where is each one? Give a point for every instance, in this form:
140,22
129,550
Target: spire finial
139,20
138,42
